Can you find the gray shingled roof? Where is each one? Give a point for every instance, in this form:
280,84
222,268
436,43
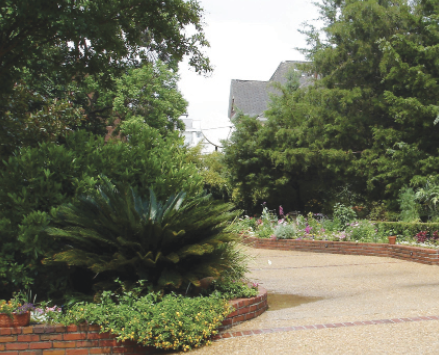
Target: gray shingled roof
252,96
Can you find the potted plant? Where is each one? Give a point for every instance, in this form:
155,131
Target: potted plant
14,314
392,237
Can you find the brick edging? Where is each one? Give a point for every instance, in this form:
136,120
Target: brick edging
403,252
245,333
246,308
60,340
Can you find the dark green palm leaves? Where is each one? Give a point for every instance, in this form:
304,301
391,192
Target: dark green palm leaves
117,233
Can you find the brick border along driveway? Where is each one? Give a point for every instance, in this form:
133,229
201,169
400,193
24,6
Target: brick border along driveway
321,326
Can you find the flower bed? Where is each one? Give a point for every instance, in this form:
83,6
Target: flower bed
409,253
86,340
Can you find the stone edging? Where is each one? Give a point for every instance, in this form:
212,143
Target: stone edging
409,253
86,339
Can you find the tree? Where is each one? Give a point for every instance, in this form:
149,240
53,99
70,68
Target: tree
65,64
368,122
81,37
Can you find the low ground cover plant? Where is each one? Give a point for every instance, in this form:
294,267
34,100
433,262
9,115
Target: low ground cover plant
168,322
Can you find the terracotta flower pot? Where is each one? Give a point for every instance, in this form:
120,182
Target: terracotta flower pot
392,239
17,320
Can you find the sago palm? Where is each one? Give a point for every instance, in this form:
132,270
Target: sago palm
116,233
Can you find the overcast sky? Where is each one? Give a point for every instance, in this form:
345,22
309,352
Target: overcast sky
248,38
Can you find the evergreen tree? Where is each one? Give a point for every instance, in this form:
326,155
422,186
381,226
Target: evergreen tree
369,121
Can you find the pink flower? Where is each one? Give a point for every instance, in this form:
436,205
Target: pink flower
281,211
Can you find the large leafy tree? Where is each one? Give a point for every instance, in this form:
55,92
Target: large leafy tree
64,65
369,120
82,37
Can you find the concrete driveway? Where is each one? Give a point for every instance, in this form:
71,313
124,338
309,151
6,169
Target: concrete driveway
355,305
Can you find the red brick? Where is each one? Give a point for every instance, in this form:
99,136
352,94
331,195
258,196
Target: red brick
27,330
41,345
46,337
35,352
100,351
39,329
77,352
17,346
2,347
72,328
98,336
49,329
5,339
54,352
244,310
104,343
87,343
64,344
28,338
60,329
10,331
10,353
74,336
120,350
239,318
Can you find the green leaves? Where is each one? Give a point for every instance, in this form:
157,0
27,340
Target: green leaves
368,122
115,231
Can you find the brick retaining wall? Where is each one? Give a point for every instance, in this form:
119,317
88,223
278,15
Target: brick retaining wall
86,340
246,308
409,253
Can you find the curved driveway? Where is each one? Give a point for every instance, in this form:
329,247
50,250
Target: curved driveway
367,305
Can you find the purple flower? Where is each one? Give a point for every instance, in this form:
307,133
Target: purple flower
308,229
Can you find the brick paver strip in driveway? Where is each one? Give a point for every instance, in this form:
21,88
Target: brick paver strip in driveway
228,335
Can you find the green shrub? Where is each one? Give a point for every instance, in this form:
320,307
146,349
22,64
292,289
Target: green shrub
37,180
408,205
405,228
285,231
266,231
171,322
115,232
343,214
364,231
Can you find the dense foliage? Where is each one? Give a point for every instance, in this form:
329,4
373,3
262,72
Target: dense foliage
68,65
367,124
38,180
116,232
169,322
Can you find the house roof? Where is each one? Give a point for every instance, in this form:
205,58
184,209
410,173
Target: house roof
252,96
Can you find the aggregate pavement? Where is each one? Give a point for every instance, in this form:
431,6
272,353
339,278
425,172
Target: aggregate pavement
359,305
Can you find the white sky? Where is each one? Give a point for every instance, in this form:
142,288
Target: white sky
248,38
